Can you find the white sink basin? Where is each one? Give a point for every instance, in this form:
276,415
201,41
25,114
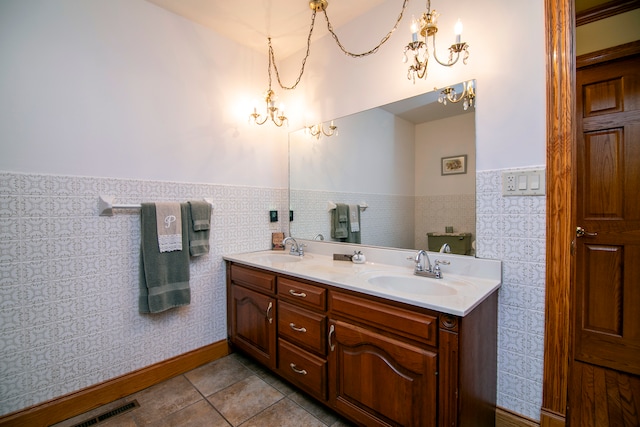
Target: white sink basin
412,285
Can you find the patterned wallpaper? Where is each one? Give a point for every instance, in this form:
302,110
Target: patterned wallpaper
512,229
69,281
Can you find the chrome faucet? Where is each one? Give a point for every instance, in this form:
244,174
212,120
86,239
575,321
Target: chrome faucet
296,248
425,269
445,249
420,265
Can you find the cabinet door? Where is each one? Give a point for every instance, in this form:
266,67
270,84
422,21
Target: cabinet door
252,324
381,381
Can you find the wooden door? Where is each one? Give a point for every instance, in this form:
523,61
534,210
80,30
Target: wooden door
381,381
605,368
252,325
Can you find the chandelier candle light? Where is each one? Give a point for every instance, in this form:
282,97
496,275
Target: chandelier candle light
423,29
318,130
468,95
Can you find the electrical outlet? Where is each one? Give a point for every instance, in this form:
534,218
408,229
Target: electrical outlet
510,182
524,182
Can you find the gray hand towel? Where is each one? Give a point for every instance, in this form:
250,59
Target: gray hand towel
164,277
340,221
200,220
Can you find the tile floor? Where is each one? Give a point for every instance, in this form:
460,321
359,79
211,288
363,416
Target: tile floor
232,391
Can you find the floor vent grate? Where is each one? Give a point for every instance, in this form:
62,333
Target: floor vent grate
112,413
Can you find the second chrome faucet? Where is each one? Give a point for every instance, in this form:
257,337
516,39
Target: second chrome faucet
423,266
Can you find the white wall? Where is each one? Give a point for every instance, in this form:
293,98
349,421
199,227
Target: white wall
122,88
444,138
373,152
612,31
507,58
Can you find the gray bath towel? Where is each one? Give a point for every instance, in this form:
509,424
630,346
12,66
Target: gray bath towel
200,221
164,277
340,222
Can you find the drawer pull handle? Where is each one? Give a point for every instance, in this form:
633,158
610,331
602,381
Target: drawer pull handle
269,312
295,328
297,294
332,331
295,369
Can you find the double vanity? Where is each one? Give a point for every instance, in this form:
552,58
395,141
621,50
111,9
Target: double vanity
373,341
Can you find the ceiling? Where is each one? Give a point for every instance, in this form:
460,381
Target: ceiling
250,22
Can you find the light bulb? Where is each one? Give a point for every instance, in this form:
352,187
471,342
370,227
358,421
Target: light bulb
414,29
457,29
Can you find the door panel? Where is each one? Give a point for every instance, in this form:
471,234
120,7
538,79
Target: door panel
605,364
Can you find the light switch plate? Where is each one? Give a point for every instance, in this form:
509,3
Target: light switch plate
524,182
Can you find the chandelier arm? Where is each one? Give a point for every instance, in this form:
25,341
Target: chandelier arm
375,49
262,122
272,57
435,56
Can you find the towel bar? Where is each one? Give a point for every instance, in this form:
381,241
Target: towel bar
363,206
106,205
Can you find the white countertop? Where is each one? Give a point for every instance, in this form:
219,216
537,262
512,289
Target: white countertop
466,282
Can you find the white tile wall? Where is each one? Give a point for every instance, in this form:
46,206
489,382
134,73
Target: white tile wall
512,229
69,280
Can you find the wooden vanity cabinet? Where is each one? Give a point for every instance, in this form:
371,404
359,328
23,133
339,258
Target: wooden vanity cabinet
377,362
252,311
302,333
383,362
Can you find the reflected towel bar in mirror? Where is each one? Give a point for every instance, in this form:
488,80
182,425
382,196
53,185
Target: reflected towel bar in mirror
363,206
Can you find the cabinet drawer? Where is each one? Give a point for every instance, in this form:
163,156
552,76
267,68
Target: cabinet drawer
302,327
253,278
417,326
305,370
302,293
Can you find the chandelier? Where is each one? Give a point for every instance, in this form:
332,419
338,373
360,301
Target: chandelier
423,29
468,95
318,130
276,114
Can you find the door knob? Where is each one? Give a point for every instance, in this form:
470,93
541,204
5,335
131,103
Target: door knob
581,232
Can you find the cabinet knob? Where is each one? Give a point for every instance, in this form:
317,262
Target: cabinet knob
295,328
332,331
269,312
297,294
297,370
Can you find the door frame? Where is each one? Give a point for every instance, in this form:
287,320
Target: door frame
561,65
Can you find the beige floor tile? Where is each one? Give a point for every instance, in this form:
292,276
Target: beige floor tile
315,408
163,399
215,376
244,399
199,414
285,413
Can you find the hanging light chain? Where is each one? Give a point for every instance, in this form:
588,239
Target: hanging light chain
272,58
375,49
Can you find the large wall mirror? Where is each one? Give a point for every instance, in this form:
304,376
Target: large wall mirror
395,160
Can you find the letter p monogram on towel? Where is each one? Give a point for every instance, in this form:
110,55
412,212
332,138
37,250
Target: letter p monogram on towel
168,220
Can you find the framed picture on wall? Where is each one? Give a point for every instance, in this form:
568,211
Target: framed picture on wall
454,165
